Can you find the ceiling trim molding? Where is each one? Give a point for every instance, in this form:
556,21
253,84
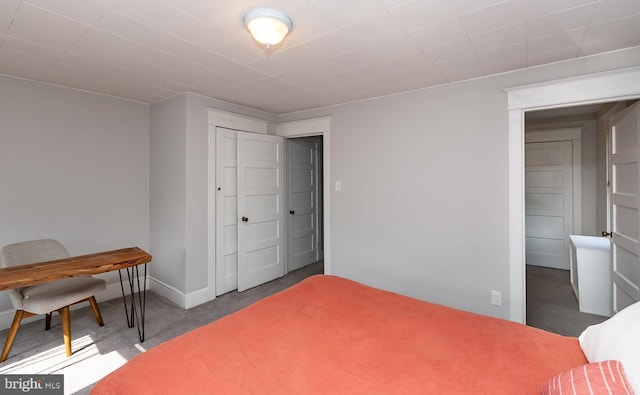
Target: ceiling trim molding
536,136
621,84
305,127
233,121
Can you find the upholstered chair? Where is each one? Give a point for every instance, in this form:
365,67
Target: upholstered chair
49,297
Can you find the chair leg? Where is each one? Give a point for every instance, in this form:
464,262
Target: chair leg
66,328
17,318
96,310
47,322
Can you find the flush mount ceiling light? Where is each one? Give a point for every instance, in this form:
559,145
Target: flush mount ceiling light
267,25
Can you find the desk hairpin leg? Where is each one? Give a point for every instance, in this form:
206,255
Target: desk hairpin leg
135,316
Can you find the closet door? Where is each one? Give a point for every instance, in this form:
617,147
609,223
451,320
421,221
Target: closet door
226,211
260,209
549,203
249,209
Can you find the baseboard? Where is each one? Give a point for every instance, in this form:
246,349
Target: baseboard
112,291
186,301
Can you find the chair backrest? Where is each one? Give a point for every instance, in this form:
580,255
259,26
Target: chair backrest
25,252
33,251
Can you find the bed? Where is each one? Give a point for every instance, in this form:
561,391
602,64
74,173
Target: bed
329,335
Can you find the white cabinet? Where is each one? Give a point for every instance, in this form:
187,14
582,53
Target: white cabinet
591,274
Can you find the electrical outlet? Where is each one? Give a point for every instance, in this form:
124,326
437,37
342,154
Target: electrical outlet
338,186
496,298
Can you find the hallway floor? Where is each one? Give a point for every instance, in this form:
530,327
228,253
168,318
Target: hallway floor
551,304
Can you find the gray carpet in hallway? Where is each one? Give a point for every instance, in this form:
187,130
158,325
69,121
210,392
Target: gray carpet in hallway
551,304
100,350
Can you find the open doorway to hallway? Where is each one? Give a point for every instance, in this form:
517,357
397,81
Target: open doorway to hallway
304,201
566,193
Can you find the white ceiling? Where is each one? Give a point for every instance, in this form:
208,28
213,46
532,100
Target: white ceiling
338,51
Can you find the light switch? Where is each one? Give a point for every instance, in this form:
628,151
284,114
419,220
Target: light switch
496,298
338,186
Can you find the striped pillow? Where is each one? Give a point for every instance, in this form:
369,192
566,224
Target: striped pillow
605,377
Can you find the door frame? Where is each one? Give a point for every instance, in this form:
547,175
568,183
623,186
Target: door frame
602,87
316,127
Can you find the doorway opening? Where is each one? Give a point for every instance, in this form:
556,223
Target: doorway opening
565,194
304,201
616,85
553,299
314,131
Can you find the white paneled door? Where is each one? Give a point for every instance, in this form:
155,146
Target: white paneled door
249,209
302,201
625,196
548,203
226,211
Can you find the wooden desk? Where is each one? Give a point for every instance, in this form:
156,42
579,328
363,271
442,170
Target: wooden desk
87,265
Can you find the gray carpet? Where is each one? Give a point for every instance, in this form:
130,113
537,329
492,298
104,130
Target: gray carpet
100,350
552,305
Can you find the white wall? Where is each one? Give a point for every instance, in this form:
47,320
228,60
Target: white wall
74,166
424,203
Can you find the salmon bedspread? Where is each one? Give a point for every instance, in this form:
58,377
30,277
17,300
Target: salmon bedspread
328,335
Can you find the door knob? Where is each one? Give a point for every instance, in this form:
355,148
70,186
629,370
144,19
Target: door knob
292,212
606,234
245,219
